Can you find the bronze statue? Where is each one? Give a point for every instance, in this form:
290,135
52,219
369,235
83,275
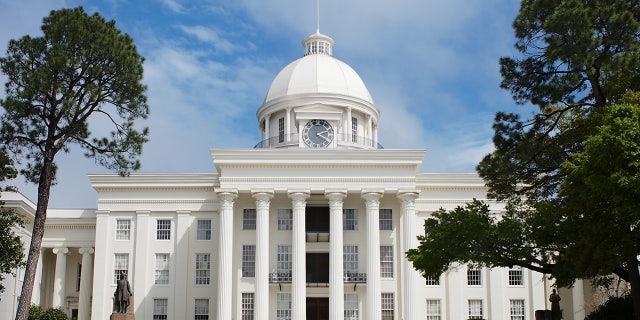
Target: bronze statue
556,313
123,293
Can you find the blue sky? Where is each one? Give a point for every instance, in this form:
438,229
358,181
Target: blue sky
431,67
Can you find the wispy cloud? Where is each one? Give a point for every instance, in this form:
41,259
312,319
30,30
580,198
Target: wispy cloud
173,5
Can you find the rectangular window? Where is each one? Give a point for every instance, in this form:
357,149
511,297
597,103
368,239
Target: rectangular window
281,130
515,276
350,260
387,306
354,129
283,306
433,310
247,306
204,230
201,311
386,261
203,268
385,219
163,229
160,309
162,268
284,262
249,219
432,281
123,229
285,219
248,260
350,219
78,277
120,266
351,311
475,309
516,308
474,278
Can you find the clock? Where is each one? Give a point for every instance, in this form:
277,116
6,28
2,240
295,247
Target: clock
317,133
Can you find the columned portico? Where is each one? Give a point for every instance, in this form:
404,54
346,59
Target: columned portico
409,277
299,268
263,199
225,258
372,201
84,301
59,280
336,273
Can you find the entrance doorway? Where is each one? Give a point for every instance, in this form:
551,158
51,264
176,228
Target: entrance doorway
317,308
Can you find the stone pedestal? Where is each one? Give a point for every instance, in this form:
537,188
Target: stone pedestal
123,316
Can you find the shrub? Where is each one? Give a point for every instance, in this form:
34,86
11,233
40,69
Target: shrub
616,308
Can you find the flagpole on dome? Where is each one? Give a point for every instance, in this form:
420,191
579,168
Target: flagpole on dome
318,16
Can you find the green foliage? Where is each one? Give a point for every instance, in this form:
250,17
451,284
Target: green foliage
616,308
82,69
575,162
38,313
11,247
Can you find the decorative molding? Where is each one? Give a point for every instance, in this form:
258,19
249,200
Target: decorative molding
67,226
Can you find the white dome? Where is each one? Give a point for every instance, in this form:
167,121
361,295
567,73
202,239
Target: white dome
318,73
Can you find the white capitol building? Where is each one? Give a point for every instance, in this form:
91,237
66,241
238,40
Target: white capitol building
311,223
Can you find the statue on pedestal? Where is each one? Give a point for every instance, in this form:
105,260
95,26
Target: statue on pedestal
123,293
556,313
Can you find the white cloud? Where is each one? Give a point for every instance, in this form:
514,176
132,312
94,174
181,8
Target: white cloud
210,36
173,6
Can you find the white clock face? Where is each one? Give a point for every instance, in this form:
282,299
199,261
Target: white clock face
317,133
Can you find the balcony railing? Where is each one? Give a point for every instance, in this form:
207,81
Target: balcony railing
343,140
317,236
280,277
350,277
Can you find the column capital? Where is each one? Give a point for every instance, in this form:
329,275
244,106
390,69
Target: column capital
299,195
61,250
262,194
334,195
88,250
372,198
408,194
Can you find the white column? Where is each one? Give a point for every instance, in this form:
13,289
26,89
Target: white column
59,281
375,136
179,262
299,248
262,254
102,275
84,301
267,134
225,255
143,260
409,241
336,271
372,200
578,300
347,126
369,128
287,125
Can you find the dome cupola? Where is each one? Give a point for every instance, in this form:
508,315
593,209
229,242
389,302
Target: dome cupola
318,101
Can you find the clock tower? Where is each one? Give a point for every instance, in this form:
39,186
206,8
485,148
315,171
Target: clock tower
318,101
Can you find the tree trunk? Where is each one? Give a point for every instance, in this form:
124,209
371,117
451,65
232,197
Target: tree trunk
44,188
634,280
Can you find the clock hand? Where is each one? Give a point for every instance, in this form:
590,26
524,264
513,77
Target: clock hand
319,134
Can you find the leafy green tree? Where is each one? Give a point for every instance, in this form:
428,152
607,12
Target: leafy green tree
11,249
82,71
577,58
